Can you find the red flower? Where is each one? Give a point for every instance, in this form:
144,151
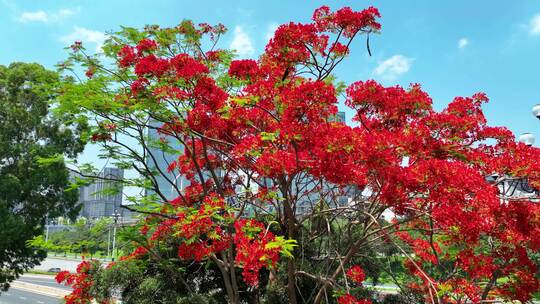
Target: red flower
187,67
209,94
62,276
349,299
252,253
356,274
339,49
151,66
214,55
76,46
146,45
346,20
138,85
81,282
277,129
244,69
127,56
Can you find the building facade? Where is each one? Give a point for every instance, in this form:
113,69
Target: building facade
168,183
103,196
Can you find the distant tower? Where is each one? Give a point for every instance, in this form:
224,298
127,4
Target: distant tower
95,202
169,183
340,116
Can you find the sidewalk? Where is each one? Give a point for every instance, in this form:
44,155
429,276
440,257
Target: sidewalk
39,289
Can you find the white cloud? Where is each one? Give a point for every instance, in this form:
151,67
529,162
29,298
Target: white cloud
270,30
393,67
45,17
86,36
242,43
66,12
534,26
37,16
463,42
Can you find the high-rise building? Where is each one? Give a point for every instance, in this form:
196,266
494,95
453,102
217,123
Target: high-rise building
168,183
103,196
340,116
310,201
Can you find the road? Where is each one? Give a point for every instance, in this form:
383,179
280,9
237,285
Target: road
28,294
42,280
18,296
389,288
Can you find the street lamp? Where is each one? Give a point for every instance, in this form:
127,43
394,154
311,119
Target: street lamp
116,217
109,243
526,138
536,111
47,227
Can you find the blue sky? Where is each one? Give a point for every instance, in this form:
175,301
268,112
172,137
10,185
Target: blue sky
452,48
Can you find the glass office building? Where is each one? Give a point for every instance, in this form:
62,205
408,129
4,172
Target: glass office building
168,183
97,199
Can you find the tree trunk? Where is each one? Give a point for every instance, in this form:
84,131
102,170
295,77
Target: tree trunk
490,284
291,281
291,264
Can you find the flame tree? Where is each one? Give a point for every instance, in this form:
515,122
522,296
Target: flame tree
267,165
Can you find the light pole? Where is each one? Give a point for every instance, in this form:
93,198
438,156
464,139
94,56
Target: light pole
116,217
109,242
536,111
527,138
47,229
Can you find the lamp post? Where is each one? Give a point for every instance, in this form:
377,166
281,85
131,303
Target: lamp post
116,217
536,111
47,227
109,242
526,138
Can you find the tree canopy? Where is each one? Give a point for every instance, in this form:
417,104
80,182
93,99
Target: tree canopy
33,175
89,238
284,203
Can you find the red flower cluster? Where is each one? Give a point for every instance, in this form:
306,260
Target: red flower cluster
244,69
199,230
127,56
272,126
104,132
76,46
151,65
187,67
146,45
288,46
356,274
188,28
253,249
349,299
347,20
81,282
90,72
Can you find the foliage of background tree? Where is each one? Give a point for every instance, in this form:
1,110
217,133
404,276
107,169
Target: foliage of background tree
84,237
33,175
283,203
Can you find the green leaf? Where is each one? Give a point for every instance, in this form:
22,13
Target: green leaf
269,136
287,246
